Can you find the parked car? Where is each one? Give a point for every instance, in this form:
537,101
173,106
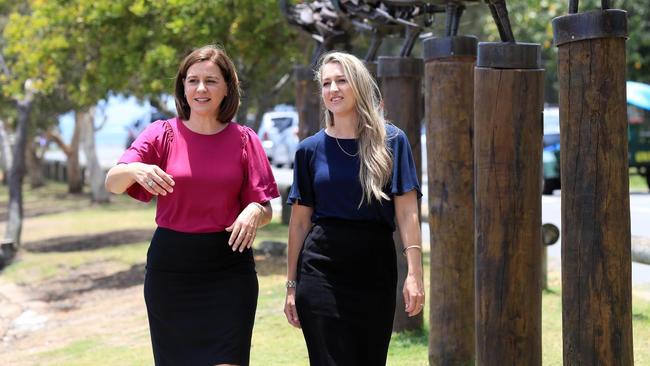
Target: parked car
279,134
638,114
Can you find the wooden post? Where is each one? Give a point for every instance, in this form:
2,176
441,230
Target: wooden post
508,104
596,259
449,103
307,102
401,86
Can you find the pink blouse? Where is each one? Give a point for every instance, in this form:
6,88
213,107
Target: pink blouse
215,176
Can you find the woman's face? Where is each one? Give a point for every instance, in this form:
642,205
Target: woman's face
336,90
205,88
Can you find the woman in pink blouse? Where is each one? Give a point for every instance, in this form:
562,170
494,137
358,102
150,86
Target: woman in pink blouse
213,184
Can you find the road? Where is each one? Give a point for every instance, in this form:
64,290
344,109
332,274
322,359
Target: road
551,212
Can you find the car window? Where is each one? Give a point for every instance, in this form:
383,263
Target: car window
282,123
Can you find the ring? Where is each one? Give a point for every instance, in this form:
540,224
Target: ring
150,183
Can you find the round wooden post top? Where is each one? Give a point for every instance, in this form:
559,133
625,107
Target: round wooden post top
396,66
610,23
435,48
303,72
509,55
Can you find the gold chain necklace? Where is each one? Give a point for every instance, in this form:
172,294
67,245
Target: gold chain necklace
345,152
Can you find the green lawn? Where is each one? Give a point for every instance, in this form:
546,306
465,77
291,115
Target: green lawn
53,258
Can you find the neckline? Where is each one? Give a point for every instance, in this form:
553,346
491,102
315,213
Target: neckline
180,122
338,138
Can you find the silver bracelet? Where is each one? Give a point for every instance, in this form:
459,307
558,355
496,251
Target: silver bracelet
411,247
290,284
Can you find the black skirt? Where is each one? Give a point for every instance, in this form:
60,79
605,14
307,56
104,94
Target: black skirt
201,299
345,297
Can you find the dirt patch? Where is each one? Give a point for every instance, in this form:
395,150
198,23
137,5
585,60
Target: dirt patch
88,242
100,299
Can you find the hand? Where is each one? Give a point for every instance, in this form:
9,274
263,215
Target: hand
153,179
413,294
244,229
290,308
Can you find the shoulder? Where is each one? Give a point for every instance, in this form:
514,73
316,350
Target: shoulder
394,135
311,143
160,131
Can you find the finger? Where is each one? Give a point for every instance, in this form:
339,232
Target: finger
294,316
166,177
162,183
153,184
251,240
234,229
147,188
407,302
239,238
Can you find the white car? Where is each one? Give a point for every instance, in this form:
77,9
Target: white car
279,134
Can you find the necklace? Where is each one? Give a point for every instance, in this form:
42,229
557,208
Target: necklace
345,152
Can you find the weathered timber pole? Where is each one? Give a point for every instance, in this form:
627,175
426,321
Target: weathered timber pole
449,104
596,259
401,87
508,104
307,101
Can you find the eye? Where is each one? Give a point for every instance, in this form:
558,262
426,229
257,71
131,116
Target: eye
341,81
191,81
327,83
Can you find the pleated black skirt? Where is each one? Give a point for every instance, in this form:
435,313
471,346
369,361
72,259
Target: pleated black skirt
201,299
345,295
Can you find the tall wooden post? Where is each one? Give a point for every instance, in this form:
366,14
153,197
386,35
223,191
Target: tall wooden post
307,102
449,104
508,104
401,86
596,259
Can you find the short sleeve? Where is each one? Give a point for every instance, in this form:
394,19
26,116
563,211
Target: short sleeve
405,177
148,148
302,191
259,185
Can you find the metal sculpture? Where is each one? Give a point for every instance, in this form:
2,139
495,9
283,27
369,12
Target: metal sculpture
321,21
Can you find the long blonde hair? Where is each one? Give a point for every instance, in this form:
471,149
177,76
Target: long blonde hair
376,160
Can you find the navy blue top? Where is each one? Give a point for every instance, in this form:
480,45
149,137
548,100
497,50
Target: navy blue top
327,179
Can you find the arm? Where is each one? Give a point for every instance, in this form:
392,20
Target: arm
122,176
406,213
299,226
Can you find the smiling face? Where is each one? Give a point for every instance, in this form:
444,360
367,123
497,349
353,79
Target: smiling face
336,91
205,88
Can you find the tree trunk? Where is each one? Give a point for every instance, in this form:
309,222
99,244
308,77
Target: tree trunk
5,152
95,171
34,165
75,179
16,174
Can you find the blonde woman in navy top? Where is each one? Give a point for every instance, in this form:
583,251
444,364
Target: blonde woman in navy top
213,184
352,181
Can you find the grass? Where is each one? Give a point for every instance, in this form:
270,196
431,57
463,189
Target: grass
70,242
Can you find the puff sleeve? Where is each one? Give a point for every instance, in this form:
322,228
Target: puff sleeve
259,184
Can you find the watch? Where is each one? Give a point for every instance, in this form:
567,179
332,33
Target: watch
290,284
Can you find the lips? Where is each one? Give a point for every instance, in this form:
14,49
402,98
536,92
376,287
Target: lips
202,100
336,99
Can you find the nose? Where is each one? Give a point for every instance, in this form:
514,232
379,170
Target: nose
201,85
333,86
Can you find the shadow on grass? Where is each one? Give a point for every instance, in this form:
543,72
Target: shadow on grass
63,289
89,242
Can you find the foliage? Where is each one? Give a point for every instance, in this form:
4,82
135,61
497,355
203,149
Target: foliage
88,49
531,22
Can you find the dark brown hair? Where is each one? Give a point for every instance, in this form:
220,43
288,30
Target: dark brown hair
216,54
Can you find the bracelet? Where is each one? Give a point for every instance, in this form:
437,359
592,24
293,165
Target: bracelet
290,284
411,247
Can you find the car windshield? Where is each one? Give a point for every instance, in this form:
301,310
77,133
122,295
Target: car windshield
282,123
